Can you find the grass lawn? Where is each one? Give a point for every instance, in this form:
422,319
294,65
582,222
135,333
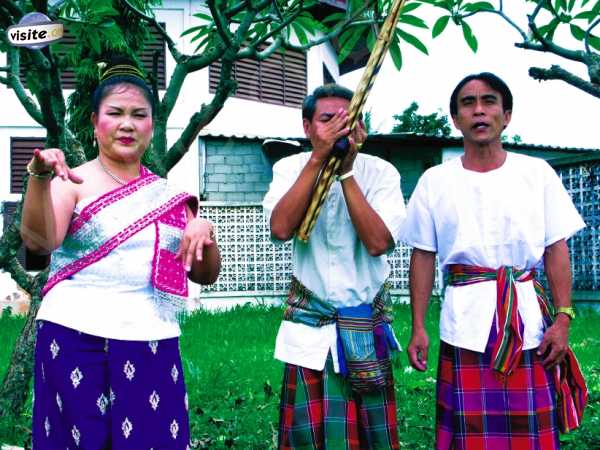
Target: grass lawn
234,382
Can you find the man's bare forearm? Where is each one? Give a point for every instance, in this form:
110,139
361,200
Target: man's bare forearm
422,274
370,228
291,209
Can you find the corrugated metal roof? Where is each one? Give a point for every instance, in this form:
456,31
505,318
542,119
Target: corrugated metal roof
457,141
422,138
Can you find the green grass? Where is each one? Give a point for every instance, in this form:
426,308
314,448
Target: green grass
234,382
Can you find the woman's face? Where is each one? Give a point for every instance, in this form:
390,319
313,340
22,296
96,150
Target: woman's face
123,124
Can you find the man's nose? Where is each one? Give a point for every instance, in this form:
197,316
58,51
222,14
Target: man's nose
478,107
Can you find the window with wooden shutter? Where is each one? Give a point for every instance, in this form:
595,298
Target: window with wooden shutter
156,42
279,79
21,151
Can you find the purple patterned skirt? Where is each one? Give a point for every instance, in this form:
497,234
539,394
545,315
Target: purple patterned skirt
93,393
476,410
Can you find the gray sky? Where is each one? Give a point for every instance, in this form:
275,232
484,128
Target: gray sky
550,112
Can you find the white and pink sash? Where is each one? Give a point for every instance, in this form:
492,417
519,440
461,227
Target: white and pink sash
117,215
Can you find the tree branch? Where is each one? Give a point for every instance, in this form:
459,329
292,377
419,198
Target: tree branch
177,56
281,26
333,33
550,46
500,12
233,10
251,52
588,34
207,113
558,73
14,82
220,24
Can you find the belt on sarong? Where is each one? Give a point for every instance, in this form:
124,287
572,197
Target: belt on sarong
365,337
570,385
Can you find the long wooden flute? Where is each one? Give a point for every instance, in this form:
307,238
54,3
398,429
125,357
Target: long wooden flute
356,106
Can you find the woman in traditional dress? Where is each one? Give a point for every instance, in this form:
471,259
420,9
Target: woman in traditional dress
108,370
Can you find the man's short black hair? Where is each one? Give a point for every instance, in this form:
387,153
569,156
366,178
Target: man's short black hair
328,90
494,81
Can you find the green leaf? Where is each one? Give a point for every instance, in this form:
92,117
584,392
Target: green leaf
410,7
549,29
193,30
203,17
595,42
300,34
440,25
586,15
206,30
94,41
570,5
478,6
577,32
334,18
469,37
349,44
344,36
395,52
413,20
309,24
413,40
371,39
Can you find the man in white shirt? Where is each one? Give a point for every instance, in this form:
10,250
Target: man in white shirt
340,271
492,217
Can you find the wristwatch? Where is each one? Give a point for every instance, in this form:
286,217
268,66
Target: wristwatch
568,310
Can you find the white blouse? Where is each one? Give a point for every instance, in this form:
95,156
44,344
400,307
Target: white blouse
335,264
113,297
504,217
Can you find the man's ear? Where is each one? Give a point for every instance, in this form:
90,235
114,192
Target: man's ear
306,125
507,117
454,121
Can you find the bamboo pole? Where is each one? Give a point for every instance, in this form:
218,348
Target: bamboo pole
356,105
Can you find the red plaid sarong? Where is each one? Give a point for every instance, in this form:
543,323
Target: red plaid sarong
568,380
320,411
477,410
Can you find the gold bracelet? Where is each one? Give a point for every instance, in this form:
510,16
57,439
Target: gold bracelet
39,175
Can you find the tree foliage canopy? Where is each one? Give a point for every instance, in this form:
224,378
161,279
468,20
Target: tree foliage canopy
434,124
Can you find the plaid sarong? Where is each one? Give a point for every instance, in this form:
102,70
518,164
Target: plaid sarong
320,411
476,409
568,380
365,337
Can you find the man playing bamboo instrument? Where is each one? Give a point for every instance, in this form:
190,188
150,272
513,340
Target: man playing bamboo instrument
493,217
337,395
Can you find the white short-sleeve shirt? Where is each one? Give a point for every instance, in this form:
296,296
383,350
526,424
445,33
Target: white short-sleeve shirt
335,264
504,217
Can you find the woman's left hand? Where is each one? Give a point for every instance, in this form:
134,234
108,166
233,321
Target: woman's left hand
197,235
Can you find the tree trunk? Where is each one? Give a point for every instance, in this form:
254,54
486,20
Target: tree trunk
16,384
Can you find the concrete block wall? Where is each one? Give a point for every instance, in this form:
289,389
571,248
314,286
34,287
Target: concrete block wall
237,170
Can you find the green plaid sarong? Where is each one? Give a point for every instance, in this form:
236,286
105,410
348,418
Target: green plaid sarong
365,337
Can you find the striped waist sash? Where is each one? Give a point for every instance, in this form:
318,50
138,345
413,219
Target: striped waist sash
570,385
509,345
364,335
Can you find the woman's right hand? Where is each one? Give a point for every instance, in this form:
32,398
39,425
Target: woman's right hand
53,159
